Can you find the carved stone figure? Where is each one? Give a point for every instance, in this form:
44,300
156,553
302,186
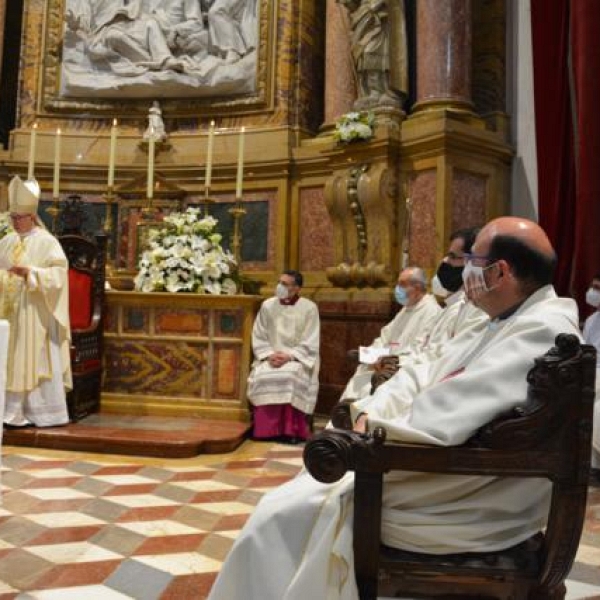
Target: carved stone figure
118,33
156,126
378,43
182,24
232,25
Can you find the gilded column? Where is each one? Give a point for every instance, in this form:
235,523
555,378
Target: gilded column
340,79
443,54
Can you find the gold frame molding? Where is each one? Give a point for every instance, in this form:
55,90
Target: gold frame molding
260,101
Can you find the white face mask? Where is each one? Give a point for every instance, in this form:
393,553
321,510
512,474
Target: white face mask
474,280
281,291
438,289
592,297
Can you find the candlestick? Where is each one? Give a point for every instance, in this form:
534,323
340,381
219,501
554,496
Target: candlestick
112,154
209,153
240,168
32,140
56,180
150,186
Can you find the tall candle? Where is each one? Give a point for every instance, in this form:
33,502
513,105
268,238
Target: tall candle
240,167
112,154
56,179
150,187
209,153
32,139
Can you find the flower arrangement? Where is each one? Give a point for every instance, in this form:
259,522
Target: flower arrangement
354,126
185,255
5,224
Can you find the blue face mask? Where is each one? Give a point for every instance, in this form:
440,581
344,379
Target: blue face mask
400,295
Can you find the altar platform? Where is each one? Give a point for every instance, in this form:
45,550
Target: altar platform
158,436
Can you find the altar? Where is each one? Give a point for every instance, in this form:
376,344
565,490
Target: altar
178,354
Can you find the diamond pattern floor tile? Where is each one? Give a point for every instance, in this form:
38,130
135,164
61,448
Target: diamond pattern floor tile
78,526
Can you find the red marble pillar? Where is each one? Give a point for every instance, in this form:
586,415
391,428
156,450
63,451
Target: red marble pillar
443,54
340,81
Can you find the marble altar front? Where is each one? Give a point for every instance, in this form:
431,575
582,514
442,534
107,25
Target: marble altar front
178,354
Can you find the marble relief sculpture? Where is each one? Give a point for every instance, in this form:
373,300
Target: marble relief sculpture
378,45
172,48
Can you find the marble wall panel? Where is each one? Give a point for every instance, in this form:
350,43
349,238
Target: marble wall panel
181,322
468,199
226,365
316,231
155,368
423,191
135,321
228,323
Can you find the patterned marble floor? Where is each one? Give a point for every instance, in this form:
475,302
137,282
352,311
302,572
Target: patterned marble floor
92,526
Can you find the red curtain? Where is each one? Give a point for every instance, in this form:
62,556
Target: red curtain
566,63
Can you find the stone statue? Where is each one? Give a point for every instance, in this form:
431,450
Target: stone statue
156,126
378,43
232,25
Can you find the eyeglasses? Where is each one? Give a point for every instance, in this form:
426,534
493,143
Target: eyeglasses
477,258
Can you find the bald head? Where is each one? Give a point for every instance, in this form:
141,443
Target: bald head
528,232
519,248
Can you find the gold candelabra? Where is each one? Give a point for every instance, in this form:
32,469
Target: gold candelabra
54,211
237,212
148,210
207,201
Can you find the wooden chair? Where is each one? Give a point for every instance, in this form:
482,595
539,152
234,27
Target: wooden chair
549,436
87,260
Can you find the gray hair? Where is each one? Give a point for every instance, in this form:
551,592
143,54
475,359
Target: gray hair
417,277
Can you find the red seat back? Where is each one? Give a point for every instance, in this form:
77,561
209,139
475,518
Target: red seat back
80,299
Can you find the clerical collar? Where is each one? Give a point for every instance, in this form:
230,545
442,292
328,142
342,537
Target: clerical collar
289,301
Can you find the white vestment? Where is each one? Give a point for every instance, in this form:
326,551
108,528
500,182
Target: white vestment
591,334
304,527
458,317
410,327
294,329
39,363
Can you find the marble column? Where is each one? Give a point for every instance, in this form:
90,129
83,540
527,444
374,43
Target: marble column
340,80
443,54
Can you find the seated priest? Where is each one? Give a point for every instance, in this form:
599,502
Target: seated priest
457,315
305,527
591,334
284,380
409,327
35,301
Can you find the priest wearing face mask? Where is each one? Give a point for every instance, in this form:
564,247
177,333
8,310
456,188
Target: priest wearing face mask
284,380
591,334
458,316
408,329
307,526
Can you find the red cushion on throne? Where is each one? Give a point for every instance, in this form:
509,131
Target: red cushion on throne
80,299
